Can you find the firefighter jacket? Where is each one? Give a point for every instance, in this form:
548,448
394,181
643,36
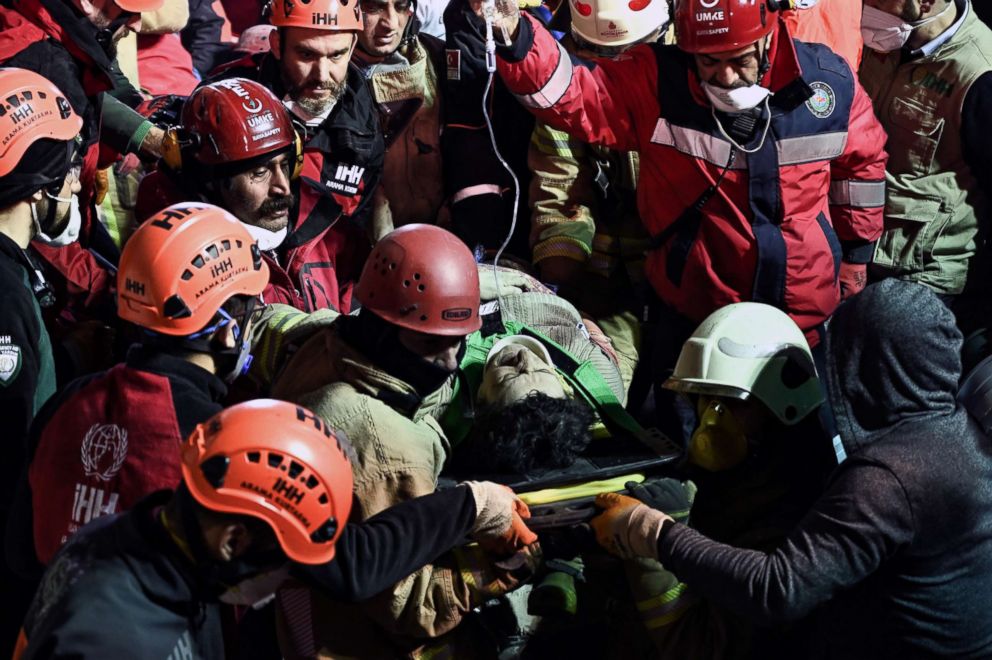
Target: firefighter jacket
407,92
935,201
778,223
342,164
400,451
107,441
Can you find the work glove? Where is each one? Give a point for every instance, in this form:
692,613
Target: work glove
672,496
499,518
627,528
853,278
511,281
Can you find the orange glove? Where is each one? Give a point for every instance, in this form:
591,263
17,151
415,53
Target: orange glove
853,279
627,528
500,516
516,537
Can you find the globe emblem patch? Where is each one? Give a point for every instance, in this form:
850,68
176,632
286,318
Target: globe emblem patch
103,451
823,101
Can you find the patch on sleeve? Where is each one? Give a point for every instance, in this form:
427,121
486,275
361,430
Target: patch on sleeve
453,59
10,361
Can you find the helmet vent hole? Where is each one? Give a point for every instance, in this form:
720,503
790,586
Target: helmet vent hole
416,276
226,244
215,469
323,498
423,317
213,251
312,482
295,469
421,288
238,243
275,460
187,275
406,282
392,266
254,456
198,261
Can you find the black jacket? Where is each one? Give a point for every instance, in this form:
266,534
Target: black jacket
898,550
121,589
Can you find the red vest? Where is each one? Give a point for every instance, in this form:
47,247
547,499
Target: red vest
108,445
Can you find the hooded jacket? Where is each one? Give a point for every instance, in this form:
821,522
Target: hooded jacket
898,549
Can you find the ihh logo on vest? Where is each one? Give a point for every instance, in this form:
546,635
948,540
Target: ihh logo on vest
346,178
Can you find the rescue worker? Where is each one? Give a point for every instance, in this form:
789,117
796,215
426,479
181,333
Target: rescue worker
39,181
309,69
190,279
758,458
237,147
586,236
928,71
762,167
403,66
368,375
266,487
895,557
73,44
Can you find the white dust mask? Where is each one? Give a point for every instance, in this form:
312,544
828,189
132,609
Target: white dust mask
71,232
884,32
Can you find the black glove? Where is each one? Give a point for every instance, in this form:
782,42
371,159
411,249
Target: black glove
671,496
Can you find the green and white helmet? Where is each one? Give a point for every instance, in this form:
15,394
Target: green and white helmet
749,350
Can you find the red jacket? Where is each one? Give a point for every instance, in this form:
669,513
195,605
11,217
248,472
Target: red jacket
308,272
783,217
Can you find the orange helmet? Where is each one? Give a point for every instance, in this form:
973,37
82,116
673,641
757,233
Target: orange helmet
330,15
716,26
183,264
33,109
423,278
275,461
138,6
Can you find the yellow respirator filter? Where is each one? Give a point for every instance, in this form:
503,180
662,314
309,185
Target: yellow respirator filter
719,442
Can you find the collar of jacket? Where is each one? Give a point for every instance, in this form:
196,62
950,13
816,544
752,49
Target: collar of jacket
783,70
58,21
351,366
148,359
10,249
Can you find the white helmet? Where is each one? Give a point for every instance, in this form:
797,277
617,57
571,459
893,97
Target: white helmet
750,349
617,22
255,39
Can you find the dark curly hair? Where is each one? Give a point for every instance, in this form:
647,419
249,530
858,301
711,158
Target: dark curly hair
536,432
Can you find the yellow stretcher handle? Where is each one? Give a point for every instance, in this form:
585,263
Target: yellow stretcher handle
589,489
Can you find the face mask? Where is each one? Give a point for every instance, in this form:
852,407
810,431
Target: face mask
884,32
719,442
71,232
256,591
736,100
267,239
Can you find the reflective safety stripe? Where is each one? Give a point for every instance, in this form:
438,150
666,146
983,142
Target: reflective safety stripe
811,148
695,143
556,86
859,194
473,191
666,608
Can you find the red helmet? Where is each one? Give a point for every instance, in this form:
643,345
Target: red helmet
330,15
423,278
278,462
183,264
716,26
235,119
33,109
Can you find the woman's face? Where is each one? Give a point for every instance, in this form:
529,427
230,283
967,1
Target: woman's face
515,372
